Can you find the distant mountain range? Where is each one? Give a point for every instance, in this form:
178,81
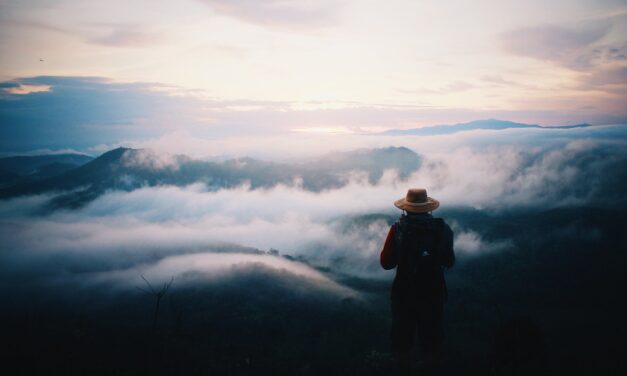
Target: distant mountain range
22,169
128,169
473,125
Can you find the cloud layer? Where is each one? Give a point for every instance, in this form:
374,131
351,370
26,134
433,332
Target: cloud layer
166,231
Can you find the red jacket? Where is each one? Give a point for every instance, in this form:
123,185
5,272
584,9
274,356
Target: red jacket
388,256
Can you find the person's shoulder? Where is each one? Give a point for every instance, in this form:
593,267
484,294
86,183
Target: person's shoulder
399,224
439,220
442,223
400,221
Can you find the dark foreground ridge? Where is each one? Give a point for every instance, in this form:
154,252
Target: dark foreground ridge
547,304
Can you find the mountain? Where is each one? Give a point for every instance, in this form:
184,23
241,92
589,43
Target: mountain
493,124
14,170
128,169
25,165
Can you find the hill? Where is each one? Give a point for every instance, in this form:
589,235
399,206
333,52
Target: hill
18,169
128,169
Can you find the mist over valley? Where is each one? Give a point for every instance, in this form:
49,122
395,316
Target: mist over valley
270,252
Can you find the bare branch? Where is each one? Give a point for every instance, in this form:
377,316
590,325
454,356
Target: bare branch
143,290
148,283
167,287
158,296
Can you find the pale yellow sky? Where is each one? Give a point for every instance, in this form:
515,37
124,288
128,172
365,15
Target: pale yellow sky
477,55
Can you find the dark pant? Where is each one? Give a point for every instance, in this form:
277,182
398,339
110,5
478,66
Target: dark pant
421,317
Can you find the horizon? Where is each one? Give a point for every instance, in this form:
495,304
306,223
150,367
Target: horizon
212,69
131,145
341,141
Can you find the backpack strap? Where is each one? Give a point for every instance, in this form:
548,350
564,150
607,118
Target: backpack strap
440,229
399,232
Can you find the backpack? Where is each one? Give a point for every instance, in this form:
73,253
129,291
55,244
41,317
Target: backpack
419,270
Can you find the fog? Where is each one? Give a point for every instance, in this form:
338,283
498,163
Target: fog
263,270
295,146
144,231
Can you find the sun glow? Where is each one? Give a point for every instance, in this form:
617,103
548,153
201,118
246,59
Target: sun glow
24,89
323,130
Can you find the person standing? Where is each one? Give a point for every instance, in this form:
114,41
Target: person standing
420,247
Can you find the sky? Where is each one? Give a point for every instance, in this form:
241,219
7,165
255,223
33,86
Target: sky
121,70
288,80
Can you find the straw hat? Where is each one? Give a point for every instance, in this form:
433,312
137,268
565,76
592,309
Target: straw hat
417,201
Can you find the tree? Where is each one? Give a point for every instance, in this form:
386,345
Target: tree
157,294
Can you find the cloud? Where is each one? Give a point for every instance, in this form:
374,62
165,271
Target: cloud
451,87
118,35
567,46
151,160
152,232
301,15
297,241
497,80
96,111
569,174
127,36
475,165
23,89
213,267
46,152
323,227
89,110
458,86
470,243
604,54
595,49
613,80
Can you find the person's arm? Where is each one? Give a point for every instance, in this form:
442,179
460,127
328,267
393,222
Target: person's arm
447,252
388,253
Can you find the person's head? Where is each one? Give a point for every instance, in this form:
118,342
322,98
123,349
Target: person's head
417,201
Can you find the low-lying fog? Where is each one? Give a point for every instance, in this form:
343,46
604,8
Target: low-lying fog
139,231
312,243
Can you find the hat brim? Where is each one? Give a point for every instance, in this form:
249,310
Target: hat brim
424,207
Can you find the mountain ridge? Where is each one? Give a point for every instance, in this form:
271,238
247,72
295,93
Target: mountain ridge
488,124
128,169
25,168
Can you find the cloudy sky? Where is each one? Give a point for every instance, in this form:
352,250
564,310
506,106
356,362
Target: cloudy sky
120,70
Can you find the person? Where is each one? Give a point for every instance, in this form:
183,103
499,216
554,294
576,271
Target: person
420,247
